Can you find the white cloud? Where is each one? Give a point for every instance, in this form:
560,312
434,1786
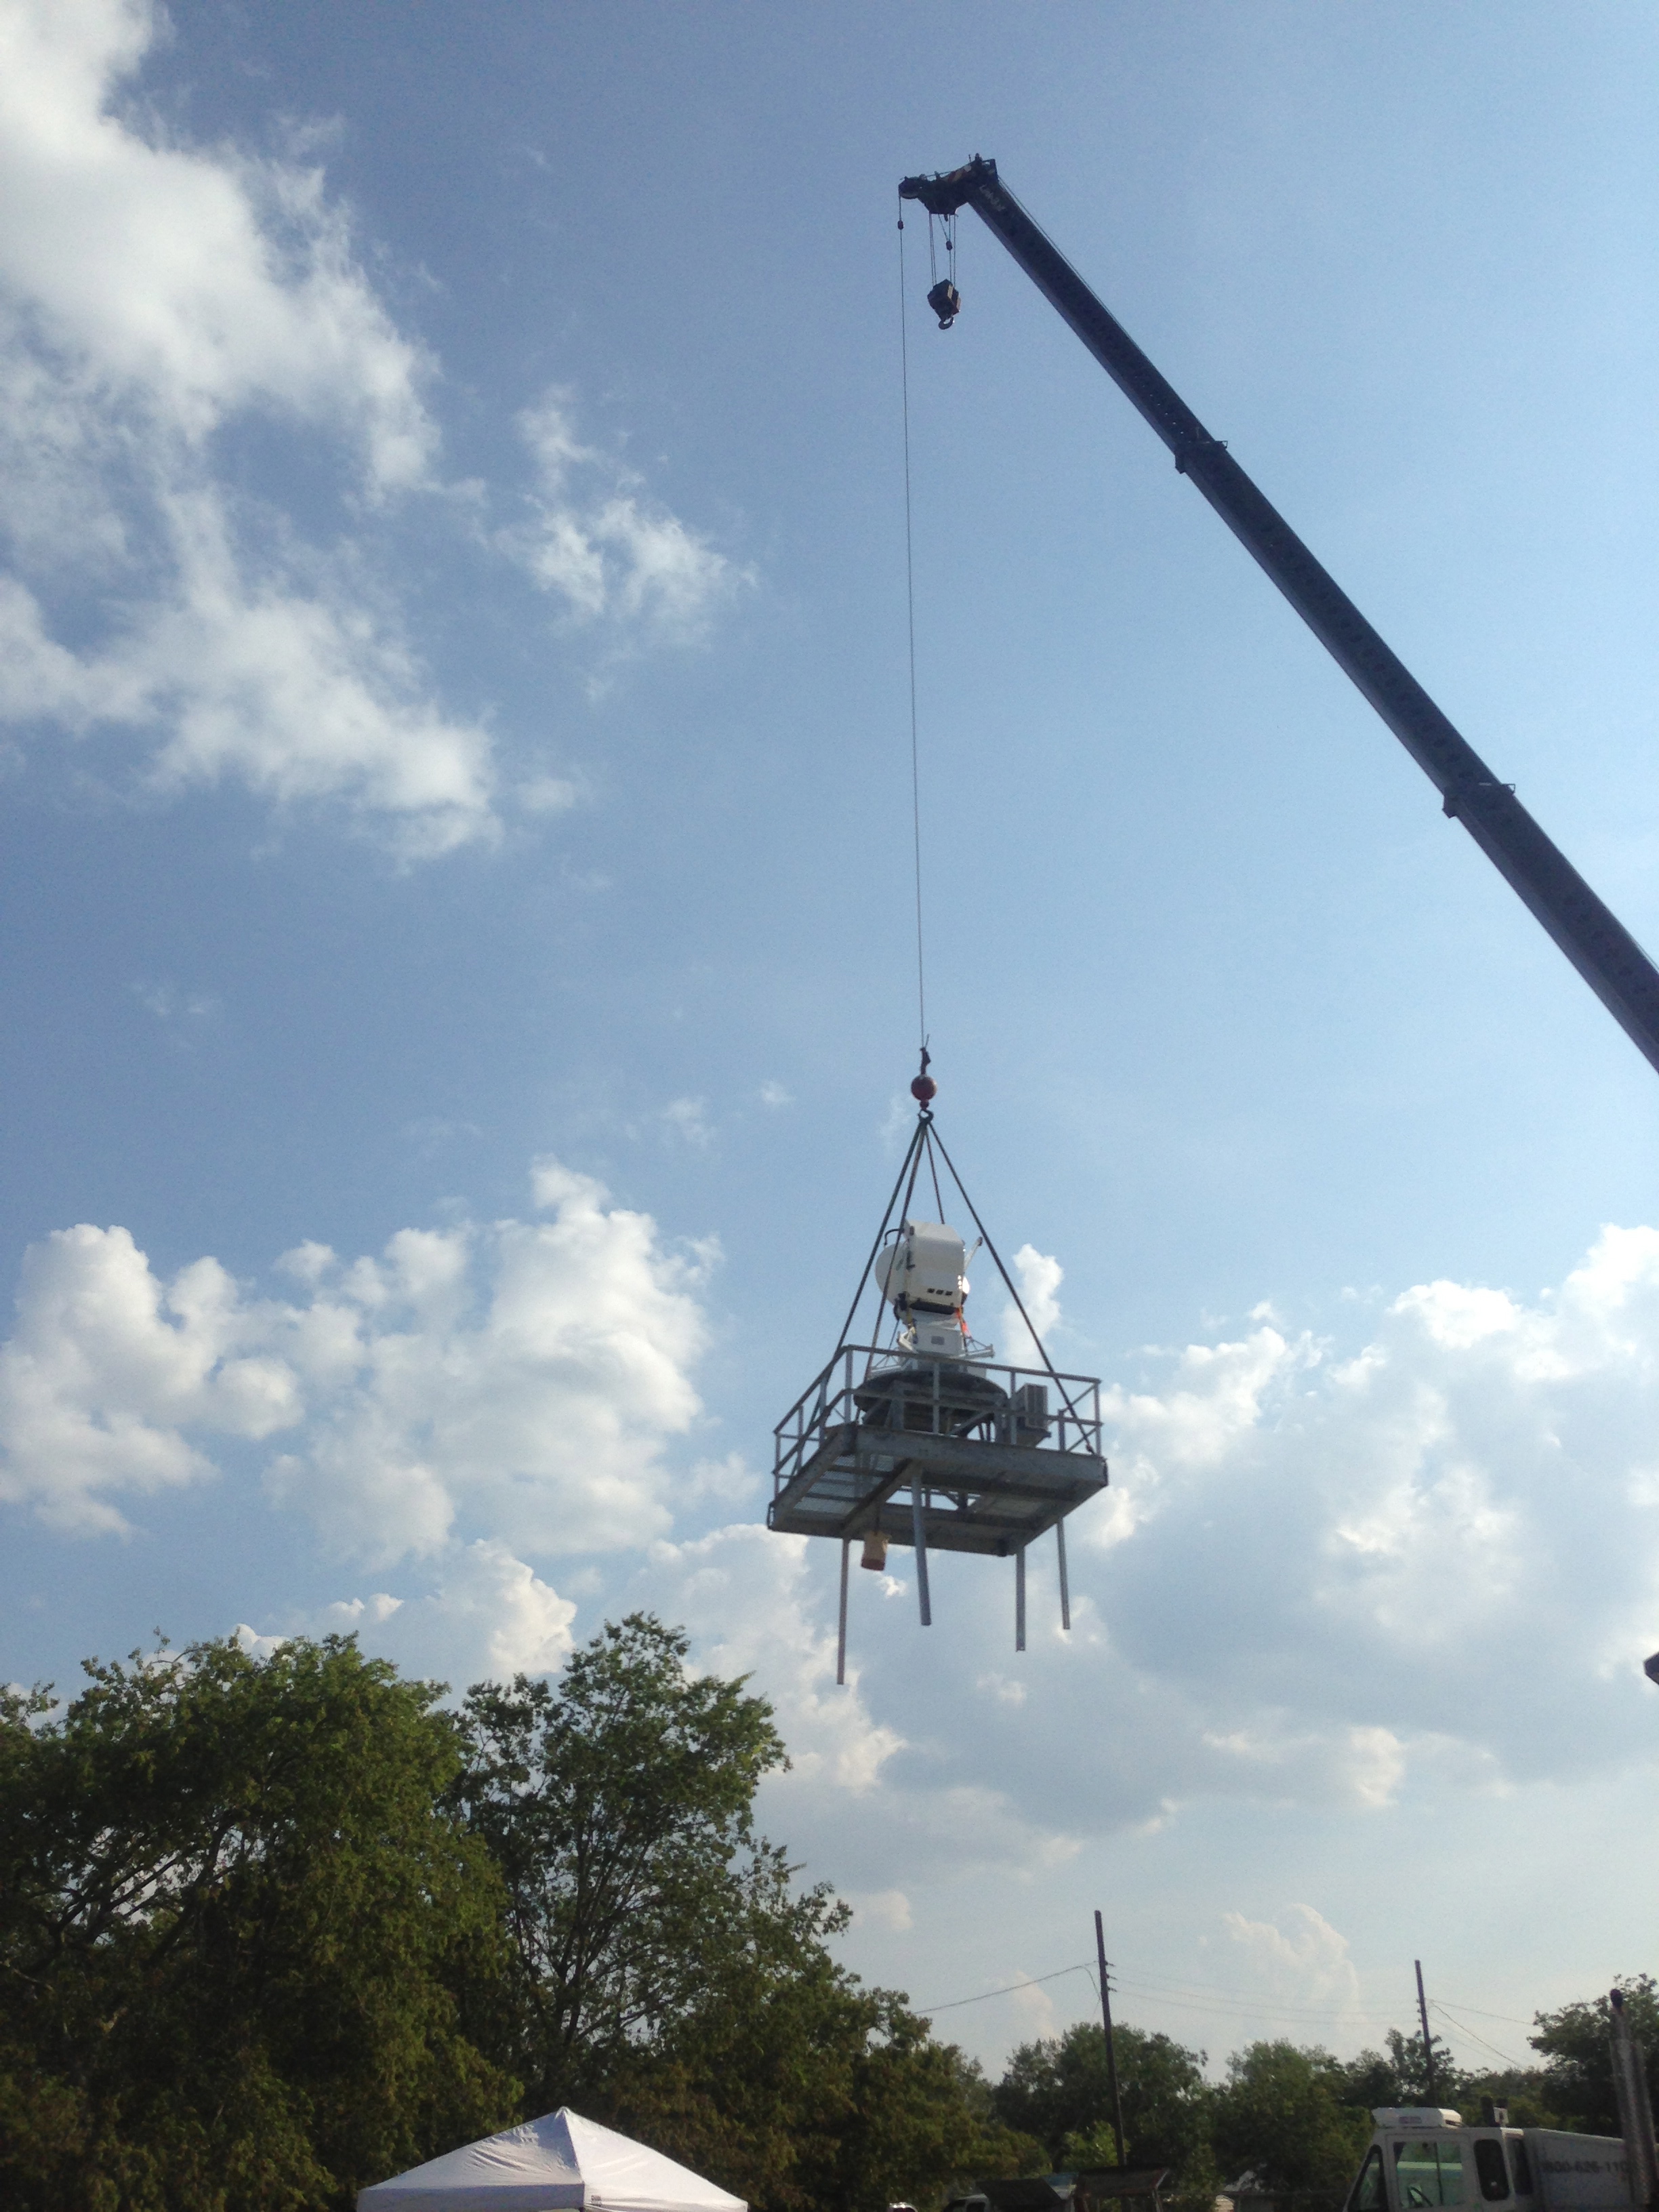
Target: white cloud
608,552
742,1592
193,283
1353,1582
166,1001
1306,1965
487,1614
775,1094
153,297
1040,1278
887,1909
109,1369
687,1119
517,1381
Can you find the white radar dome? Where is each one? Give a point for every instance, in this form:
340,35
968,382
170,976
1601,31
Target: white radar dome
920,1276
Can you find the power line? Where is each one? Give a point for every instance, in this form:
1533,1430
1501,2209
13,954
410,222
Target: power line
1506,2016
1232,2004
1520,2065
1189,1996
1007,1991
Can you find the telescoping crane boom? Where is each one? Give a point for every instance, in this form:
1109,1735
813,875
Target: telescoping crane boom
1598,944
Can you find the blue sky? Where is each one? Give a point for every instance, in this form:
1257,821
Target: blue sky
456,874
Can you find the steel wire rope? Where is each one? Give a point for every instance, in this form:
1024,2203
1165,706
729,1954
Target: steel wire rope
911,612
1008,1284
913,1146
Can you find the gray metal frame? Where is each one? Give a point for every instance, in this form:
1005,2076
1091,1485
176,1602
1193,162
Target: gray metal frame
988,1469
836,1474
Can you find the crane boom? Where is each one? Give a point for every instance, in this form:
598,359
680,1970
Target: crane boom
1592,938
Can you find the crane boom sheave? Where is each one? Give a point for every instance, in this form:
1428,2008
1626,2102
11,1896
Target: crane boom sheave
1592,938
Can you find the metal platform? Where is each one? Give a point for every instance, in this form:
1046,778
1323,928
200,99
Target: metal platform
992,1456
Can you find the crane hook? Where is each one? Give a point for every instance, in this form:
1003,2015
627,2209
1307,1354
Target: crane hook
923,1089
946,301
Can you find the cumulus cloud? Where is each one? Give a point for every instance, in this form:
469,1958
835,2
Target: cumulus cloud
1304,1964
194,284
1385,1545
595,541
111,1376
486,1612
742,1592
1342,1577
517,1380
1339,1575
155,298
1039,1277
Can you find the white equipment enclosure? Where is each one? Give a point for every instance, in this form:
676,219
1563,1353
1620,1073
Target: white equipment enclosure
992,1455
561,2163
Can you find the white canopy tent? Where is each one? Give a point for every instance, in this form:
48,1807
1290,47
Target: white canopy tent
561,2163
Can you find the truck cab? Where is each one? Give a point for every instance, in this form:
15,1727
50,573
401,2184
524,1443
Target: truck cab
1422,2157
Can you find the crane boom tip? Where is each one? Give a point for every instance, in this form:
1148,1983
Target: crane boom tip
950,189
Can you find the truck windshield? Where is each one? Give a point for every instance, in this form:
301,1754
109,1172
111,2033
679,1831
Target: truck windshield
1367,2195
1428,2173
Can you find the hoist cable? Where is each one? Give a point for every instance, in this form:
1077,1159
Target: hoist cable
1007,1279
910,608
913,1146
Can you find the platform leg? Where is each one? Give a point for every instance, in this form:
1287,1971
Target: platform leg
1065,1584
1019,1599
919,1533
841,1632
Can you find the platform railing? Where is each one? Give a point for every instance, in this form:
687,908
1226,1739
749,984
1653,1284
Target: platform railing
830,1400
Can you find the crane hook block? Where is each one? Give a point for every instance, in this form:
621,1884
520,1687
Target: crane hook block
946,301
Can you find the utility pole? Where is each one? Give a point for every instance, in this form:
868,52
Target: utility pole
1428,2041
1630,2081
1111,2048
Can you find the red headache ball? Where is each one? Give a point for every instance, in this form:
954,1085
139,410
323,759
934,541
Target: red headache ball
924,1088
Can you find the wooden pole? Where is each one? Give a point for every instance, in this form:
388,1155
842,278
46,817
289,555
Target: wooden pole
1111,2048
1428,2040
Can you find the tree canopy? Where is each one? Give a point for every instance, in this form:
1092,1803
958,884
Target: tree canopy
237,1928
1059,2090
275,1927
1284,2115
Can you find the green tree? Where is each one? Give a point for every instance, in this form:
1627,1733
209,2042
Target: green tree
237,1931
1088,2150
1398,2077
1280,2116
1060,2089
1577,2068
671,1976
618,1804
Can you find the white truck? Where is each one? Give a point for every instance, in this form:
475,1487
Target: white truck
1422,2157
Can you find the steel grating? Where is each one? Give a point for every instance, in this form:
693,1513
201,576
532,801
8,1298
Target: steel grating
995,1463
